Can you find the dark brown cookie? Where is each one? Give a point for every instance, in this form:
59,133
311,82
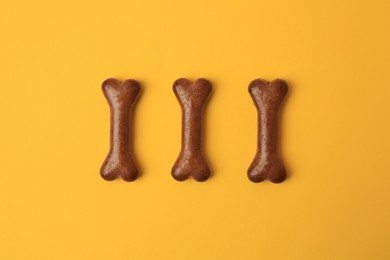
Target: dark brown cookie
267,97
121,97
192,97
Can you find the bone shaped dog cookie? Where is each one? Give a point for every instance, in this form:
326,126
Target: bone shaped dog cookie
267,97
121,97
192,97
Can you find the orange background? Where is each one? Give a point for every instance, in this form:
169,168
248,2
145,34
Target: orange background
54,125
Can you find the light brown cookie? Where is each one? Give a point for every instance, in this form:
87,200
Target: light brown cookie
267,97
192,97
121,97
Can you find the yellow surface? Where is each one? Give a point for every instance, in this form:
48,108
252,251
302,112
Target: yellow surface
54,124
